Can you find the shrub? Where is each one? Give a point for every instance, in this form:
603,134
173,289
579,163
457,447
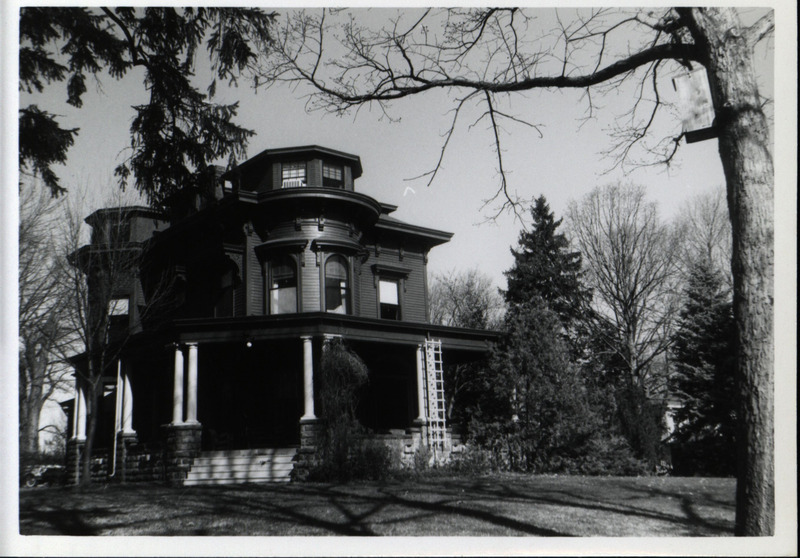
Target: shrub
364,459
472,461
610,455
371,460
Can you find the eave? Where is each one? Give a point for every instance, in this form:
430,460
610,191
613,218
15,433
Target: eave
269,155
429,237
291,326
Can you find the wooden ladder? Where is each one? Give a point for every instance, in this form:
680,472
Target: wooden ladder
436,410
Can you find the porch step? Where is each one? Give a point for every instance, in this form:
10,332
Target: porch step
240,466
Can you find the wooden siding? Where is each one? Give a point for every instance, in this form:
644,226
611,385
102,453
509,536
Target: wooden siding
239,307
314,173
276,176
142,228
348,178
254,278
413,298
355,286
309,279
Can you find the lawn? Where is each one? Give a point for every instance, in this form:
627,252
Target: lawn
501,505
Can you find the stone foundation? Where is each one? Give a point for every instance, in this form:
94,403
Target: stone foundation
124,442
99,468
310,433
307,457
73,465
182,445
144,463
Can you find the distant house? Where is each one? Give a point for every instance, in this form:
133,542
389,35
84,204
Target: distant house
227,311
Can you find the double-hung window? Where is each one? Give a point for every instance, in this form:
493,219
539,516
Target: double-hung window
283,286
389,296
332,176
337,285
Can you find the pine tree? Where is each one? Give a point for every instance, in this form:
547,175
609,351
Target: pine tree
179,132
544,268
704,355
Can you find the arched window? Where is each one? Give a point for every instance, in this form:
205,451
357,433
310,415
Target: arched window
337,285
283,286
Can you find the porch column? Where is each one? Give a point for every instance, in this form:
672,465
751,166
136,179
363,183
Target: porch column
127,403
118,389
421,383
75,406
177,389
80,433
191,386
308,380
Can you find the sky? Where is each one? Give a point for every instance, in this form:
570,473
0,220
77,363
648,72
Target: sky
560,160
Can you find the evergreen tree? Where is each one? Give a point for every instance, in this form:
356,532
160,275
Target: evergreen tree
544,268
548,400
178,133
544,411
704,352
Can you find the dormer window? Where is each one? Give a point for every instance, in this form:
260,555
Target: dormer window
293,175
332,176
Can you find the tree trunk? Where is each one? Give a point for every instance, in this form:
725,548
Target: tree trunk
93,400
31,404
748,166
29,442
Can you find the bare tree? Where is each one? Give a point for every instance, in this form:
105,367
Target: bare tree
42,330
102,280
707,233
631,263
484,55
465,299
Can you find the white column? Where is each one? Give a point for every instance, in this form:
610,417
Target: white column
75,407
191,385
127,404
421,383
308,380
118,399
177,390
81,401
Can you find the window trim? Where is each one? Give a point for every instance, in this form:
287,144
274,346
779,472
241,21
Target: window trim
269,266
339,182
396,282
235,270
298,165
383,272
348,266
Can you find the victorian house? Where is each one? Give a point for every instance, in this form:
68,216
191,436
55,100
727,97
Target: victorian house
223,319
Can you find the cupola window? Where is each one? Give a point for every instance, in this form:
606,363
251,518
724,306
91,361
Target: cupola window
293,175
332,176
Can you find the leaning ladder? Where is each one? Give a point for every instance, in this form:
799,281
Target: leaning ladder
437,427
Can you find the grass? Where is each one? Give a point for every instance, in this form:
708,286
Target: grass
500,505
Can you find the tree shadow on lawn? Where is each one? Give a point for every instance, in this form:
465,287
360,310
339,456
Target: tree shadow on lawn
636,501
484,506
302,509
368,510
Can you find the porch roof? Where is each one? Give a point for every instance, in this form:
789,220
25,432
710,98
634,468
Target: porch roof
467,342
